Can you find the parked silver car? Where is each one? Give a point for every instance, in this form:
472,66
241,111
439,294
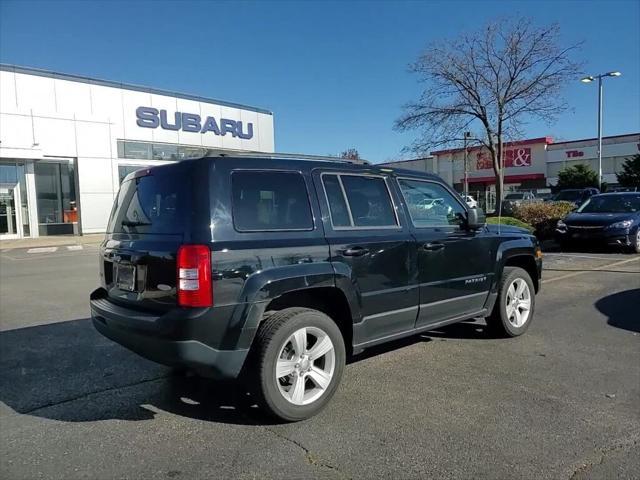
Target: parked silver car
514,200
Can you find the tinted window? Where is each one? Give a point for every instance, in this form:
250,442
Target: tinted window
430,204
369,201
337,204
568,195
611,204
156,203
514,196
270,201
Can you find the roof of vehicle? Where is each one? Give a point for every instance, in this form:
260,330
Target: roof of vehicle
616,194
279,161
309,162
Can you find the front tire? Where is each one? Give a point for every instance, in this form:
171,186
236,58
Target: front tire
299,357
513,311
636,246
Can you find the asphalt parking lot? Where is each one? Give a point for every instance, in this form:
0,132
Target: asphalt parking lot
563,401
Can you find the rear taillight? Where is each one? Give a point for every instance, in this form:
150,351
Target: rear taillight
194,276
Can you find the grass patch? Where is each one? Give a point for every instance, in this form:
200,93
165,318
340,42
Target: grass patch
509,221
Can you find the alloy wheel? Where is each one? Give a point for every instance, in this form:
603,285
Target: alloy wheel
518,303
305,365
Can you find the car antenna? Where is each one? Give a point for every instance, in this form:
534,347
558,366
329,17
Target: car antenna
499,214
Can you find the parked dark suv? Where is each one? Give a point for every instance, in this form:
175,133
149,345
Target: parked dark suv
274,270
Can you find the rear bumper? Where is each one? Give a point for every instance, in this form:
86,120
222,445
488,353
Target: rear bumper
144,334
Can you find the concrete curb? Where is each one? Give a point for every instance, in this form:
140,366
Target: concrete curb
93,239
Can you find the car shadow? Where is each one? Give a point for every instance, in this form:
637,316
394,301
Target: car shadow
622,309
68,372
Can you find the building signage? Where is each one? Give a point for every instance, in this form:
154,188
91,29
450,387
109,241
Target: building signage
574,153
516,157
149,117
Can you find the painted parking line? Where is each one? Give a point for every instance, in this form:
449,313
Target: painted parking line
574,255
595,269
74,247
42,250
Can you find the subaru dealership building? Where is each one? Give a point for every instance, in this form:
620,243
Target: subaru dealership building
67,141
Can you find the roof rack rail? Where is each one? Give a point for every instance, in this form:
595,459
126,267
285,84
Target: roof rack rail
290,156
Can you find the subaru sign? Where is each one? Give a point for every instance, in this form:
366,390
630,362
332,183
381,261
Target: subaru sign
149,117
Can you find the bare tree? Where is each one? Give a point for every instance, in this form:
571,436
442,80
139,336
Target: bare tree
350,154
490,82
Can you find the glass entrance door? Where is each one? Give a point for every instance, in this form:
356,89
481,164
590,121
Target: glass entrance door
10,218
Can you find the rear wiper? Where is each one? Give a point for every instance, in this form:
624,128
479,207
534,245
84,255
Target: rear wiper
134,223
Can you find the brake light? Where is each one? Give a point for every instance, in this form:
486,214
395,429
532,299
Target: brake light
194,276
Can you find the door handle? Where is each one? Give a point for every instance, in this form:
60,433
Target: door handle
433,246
355,252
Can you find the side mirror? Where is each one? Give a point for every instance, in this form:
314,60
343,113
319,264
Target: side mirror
476,218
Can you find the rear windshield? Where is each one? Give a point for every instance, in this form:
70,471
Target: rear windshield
155,203
514,196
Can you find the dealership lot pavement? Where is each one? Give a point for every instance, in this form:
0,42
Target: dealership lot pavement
560,402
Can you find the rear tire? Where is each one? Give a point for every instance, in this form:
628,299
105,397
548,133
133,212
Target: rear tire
513,312
298,359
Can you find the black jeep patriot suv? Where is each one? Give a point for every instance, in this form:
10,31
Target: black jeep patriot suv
273,270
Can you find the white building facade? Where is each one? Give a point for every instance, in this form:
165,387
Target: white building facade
66,142
616,150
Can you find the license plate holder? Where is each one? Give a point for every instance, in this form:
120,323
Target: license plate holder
126,277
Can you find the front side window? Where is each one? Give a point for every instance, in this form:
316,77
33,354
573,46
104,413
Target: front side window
266,201
430,204
367,203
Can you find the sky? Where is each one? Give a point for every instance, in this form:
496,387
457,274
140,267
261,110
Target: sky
335,74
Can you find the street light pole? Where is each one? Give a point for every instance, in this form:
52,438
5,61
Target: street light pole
590,79
465,187
600,132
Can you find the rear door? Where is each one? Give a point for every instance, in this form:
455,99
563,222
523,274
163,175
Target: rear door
372,246
454,264
156,210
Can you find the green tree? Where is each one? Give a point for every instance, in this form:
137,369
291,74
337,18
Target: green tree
630,174
578,176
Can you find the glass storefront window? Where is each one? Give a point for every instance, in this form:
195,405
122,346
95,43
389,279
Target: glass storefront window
14,207
165,152
139,150
56,197
190,152
124,170
158,151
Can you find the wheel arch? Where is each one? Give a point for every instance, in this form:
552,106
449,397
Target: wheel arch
329,300
527,263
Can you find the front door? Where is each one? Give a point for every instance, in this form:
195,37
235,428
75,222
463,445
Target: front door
371,249
455,265
10,215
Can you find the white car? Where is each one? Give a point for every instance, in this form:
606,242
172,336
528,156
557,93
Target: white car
470,201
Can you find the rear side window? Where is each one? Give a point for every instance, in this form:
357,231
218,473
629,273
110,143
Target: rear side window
367,203
267,201
337,204
158,203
